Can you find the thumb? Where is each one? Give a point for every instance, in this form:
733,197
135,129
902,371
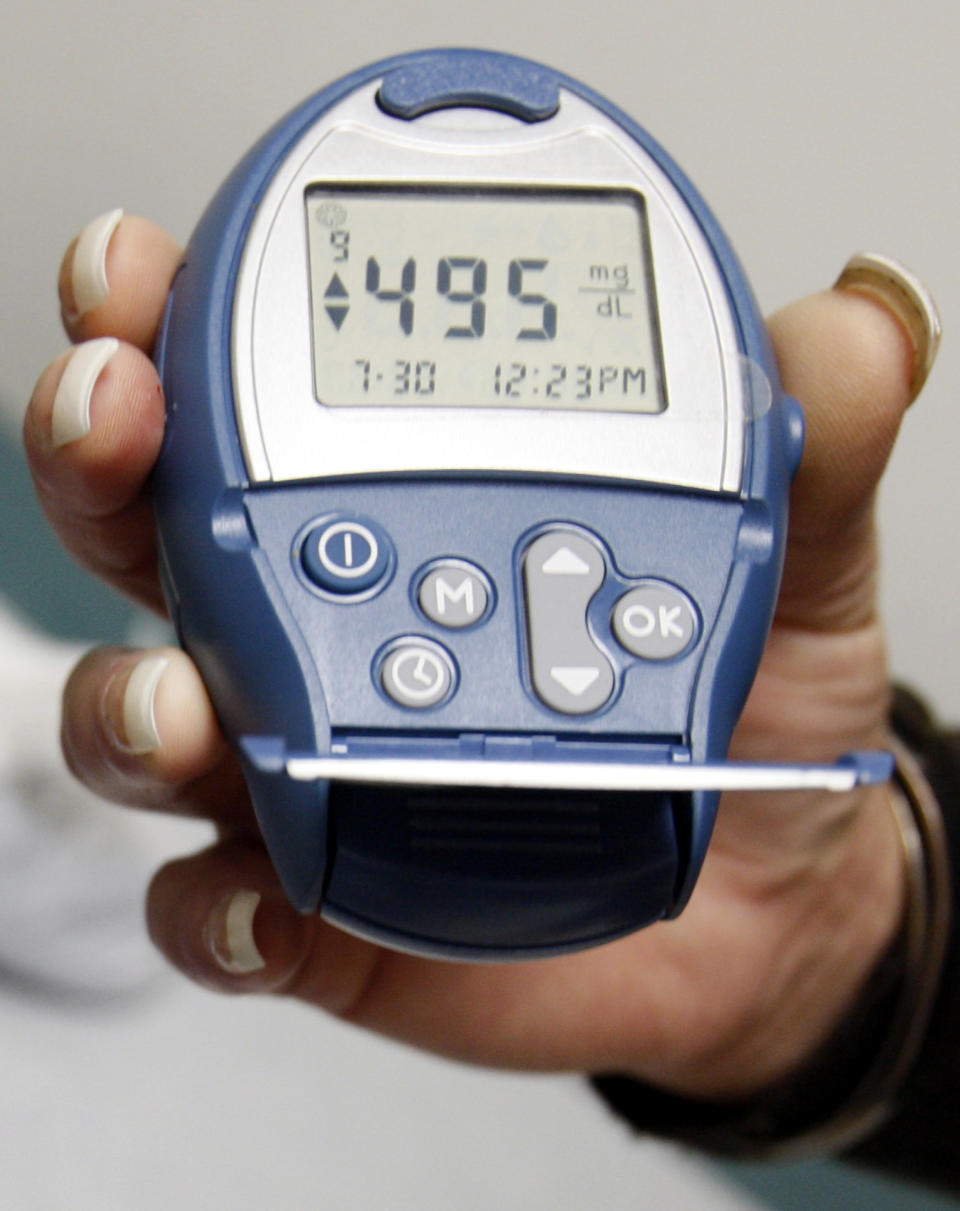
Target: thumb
848,356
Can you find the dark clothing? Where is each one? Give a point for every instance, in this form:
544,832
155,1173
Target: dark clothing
922,1140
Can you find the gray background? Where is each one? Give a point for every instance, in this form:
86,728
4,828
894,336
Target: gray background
814,130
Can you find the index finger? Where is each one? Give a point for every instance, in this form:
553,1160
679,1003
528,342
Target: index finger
115,278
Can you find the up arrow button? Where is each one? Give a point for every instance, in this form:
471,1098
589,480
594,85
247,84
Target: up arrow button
565,562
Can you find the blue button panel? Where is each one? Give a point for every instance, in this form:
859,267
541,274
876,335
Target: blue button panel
581,623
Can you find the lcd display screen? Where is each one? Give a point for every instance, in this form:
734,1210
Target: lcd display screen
493,298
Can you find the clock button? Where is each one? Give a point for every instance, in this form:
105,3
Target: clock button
417,675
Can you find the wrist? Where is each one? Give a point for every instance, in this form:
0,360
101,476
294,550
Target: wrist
835,928
798,931
850,1084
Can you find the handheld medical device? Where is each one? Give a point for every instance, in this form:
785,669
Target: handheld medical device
472,506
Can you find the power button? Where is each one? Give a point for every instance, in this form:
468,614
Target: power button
345,555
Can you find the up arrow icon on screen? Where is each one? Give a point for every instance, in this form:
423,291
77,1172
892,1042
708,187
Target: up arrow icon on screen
564,562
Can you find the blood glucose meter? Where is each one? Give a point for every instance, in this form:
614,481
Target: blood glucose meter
472,506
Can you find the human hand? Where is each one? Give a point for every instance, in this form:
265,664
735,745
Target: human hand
800,893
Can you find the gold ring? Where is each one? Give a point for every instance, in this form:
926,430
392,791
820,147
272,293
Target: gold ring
892,284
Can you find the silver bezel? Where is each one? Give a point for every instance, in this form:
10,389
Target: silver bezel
287,435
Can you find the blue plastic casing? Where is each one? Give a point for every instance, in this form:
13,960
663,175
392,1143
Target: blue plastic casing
469,874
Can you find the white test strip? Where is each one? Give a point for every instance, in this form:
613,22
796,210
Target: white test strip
577,775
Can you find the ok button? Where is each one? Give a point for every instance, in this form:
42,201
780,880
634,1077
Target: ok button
655,621
345,555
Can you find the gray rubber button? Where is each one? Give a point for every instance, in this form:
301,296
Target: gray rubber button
655,621
561,572
416,675
454,595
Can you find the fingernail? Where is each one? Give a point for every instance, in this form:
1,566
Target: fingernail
229,934
902,292
89,274
71,404
139,704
